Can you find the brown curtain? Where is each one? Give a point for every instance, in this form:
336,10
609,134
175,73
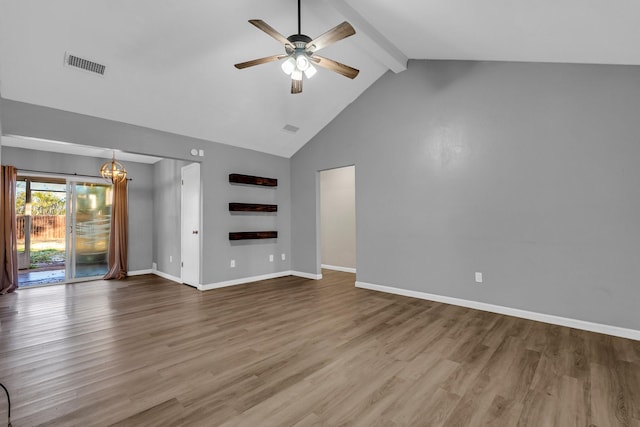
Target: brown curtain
8,230
119,238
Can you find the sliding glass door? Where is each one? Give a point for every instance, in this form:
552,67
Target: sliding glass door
89,219
63,229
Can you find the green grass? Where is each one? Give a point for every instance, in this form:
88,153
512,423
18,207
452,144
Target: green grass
45,255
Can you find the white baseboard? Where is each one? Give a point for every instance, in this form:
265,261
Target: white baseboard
244,280
139,272
540,317
306,275
166,276
338,268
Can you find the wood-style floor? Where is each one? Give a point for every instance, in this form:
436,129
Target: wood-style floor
296,352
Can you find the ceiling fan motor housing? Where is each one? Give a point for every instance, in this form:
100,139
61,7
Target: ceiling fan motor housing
300,42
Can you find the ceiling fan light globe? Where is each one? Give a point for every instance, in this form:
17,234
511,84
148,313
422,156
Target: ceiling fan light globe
310,72
296,75
302,62
288,66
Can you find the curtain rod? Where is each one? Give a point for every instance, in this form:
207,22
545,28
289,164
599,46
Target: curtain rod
64,174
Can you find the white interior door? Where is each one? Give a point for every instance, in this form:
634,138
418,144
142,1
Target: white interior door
190,241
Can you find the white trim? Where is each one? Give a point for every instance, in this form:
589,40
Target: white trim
166,276
306,275
251,279
139,272
371,39
243,280
540,317
338,268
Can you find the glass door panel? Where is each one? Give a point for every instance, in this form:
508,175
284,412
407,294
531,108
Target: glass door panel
41,226
90,219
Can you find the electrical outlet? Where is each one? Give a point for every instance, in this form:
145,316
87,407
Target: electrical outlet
271,258
232,264
284,257
170,258
478,277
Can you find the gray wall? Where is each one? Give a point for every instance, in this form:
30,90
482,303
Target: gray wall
525,172
166,218
252,258
140,192
338,217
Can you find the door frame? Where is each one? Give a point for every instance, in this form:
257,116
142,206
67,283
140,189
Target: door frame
318,230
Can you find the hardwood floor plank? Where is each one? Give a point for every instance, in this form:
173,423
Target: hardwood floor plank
292,351
608,402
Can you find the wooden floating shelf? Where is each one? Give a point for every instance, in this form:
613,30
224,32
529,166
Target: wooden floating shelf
249,235
252,180
252,207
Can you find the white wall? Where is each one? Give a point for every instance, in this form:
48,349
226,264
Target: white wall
338,217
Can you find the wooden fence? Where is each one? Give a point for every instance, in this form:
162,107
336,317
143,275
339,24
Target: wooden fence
43,227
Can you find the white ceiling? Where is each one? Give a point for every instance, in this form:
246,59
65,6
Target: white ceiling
170,62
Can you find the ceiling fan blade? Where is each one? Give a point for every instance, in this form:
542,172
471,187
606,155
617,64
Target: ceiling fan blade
296,86
332,65
264,60
271,31
337,33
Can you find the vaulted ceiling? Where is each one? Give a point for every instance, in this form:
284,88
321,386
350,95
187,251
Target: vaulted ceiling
170,62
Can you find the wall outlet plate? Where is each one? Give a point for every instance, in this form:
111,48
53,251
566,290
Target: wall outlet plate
232,264
478,277
271,258
284,257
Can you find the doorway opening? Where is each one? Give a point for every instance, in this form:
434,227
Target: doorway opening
63,229
338,219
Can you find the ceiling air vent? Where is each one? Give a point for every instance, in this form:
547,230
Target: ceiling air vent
71,60
290,128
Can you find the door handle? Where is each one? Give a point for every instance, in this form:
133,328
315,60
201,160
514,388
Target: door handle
195,231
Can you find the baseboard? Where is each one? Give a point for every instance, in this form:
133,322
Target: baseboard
166,276
338,268
251,279
243,280
306,275
540,317
139,272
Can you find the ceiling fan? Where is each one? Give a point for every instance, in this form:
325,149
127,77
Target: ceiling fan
300,51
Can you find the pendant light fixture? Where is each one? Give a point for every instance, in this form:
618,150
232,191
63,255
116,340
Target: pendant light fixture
113,171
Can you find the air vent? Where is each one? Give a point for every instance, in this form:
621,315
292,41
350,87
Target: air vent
84,64
290,128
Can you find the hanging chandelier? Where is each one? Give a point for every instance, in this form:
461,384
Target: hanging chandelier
113,171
